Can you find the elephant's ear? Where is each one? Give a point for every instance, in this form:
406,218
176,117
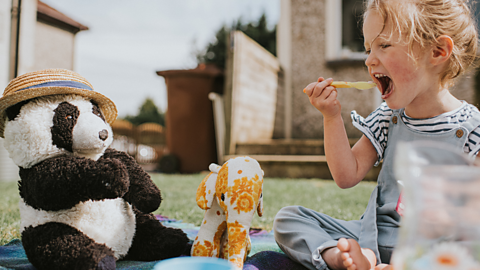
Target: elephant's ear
260,205
206,189
214,168
260,200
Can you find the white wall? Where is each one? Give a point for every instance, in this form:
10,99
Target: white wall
54,47
8,169
333,29
26,50
5,7
284,55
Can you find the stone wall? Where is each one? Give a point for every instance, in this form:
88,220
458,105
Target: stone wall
309,63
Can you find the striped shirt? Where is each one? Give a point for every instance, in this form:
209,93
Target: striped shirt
375,126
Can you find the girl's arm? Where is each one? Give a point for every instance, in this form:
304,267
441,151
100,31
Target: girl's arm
347,165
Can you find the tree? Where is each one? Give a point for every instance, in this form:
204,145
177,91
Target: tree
215,52
147,113
260,33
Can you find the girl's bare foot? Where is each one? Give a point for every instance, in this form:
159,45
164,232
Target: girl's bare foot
383,266
354,257
348,255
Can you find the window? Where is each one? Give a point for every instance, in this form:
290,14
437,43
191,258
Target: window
343,30
352,37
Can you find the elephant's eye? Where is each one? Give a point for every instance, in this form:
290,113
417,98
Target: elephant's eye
223,197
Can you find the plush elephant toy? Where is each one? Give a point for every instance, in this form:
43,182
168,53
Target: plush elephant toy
230,194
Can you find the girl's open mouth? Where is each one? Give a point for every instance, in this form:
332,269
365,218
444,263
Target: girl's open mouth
386,85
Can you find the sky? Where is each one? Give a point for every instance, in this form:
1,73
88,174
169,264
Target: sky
128,41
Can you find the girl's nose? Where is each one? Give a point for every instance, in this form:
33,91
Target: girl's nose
371,60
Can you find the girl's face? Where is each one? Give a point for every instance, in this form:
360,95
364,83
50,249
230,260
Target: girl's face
401,81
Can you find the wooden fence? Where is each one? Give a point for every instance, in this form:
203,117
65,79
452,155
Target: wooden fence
146,142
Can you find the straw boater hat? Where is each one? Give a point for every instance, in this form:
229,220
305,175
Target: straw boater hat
52,82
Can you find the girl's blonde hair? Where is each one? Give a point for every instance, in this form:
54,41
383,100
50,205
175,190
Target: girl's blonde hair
423,21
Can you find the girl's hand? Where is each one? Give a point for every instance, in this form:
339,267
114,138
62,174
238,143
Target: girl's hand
323,96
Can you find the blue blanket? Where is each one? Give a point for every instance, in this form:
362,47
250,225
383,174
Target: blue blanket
265,253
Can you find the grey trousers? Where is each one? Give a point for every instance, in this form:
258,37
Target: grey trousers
303,234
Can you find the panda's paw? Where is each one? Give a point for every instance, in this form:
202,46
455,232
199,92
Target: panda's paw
145,204
114,179
107,263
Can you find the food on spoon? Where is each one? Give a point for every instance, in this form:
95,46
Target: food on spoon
358,85
341,84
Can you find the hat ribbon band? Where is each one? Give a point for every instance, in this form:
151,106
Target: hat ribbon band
73,84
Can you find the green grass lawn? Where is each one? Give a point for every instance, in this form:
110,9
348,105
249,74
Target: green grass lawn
179,192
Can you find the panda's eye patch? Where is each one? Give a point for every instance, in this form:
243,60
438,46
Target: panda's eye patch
64,120
13,111
96,110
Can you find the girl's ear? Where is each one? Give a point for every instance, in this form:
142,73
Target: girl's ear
442,51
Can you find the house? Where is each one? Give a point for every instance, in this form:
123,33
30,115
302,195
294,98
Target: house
33,36
323,38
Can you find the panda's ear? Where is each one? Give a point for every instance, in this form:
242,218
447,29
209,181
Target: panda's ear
96,110
13,111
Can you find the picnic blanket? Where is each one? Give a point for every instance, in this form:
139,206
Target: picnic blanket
265,253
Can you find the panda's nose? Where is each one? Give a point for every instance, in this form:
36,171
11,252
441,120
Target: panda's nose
103,134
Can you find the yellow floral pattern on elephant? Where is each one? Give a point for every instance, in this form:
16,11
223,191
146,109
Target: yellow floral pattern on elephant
257,188
221,186
203,250
218,236
245,203
245,193
237,236
237,261
222,180
202,193
248,247
240,186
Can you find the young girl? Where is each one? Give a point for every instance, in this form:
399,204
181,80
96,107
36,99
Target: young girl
415,49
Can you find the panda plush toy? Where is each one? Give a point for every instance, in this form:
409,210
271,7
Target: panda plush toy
83,205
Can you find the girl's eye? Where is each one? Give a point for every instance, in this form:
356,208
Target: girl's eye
367,52
384,46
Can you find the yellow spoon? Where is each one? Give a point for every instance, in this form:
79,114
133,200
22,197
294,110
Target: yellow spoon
358,85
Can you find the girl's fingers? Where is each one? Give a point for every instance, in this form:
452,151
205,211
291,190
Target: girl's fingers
309,89
321,87
332,95
316,88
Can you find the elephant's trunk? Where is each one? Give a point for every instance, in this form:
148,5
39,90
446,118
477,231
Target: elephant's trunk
237,242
